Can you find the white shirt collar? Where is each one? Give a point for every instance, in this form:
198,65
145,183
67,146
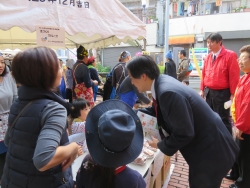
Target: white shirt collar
217,53
153,90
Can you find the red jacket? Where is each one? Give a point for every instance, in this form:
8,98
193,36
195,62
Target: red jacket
242,104
223,73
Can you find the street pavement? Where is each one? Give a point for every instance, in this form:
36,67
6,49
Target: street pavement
194,82
179,177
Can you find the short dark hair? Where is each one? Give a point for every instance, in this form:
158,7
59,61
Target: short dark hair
78,105
144,64
36,67
5,68
245,49
214,37
183,52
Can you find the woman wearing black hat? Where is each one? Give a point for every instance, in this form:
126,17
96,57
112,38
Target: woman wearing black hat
114,138
82,81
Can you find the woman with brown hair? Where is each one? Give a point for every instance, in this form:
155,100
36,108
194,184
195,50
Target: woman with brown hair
38,151
240,113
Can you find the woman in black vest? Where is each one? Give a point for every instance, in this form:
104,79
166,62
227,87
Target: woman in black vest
38,151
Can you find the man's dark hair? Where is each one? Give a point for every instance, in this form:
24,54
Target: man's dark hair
36,67
183,52
78,105
215,37
143,65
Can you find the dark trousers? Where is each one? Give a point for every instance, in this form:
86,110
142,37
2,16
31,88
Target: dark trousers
205,179
243,161
107,90
216,99
2,161
69,94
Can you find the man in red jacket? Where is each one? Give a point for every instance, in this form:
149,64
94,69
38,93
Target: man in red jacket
220,76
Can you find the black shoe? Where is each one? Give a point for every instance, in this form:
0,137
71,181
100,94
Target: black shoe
228,176
233,186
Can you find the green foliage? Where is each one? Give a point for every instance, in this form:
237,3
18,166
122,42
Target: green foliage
161,69
101,68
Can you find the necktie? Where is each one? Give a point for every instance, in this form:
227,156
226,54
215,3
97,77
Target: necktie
158,119
214,58
155,107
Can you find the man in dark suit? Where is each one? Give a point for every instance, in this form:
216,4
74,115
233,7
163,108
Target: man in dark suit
186,123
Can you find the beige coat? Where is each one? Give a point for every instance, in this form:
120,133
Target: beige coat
182,70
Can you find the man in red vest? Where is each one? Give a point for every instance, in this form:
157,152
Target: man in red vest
220,76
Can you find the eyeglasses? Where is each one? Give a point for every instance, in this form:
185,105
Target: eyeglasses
242,59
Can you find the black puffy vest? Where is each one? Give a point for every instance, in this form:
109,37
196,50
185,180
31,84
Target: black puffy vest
19,170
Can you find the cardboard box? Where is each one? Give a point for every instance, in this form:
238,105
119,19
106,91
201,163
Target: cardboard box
165,168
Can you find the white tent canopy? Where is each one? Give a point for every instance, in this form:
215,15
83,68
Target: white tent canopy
98,23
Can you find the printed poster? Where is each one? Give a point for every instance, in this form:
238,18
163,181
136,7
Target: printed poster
50,36
149,125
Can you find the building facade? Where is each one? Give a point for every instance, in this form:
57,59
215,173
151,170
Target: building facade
190,22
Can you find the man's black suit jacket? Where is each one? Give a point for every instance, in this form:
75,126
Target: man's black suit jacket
195,130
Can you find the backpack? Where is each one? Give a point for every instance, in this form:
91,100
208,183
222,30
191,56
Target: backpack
109,76
190,68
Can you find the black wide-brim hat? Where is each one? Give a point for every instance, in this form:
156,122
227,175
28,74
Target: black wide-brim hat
97,148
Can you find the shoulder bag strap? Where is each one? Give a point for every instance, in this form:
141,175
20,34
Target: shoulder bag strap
14,122
123,73
74,73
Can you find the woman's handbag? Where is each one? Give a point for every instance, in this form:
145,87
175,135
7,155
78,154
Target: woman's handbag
82,91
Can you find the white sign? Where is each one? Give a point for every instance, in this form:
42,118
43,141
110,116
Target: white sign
200,54
50,36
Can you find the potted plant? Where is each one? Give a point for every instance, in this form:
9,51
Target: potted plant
246,9
151,19
233,10
237,9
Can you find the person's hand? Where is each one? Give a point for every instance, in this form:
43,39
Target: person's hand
232,97
95,82
70,160
150,104
202,94
154,142
79,152
238,134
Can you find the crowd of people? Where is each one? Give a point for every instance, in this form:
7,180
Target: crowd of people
42,133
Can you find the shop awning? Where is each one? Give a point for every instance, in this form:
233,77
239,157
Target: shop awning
183,39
